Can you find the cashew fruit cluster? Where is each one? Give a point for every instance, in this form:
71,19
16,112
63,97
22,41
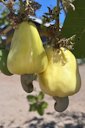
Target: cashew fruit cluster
57,71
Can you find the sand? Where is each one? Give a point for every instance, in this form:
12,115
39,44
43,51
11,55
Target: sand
14,105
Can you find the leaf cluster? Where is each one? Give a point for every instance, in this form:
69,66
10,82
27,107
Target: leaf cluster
37,103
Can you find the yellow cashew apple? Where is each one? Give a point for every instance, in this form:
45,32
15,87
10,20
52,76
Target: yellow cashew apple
27,54
61,78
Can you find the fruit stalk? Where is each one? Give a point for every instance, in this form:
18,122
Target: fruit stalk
57,20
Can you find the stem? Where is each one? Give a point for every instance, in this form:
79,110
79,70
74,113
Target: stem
6,30
27,2
63,7
58,20
21,7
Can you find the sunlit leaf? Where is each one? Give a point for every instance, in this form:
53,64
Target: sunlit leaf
33,107
44,105
40,96
41,107
40,110
31,98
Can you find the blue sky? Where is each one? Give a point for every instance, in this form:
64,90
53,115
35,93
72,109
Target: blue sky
45,4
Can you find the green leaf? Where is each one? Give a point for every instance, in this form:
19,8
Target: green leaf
41,107
40,110
40,96
75,25
44,105
33,107
32,98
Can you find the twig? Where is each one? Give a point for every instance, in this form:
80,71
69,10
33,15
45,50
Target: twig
6,30
63,7
58,20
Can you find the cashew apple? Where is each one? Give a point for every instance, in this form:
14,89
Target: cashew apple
27,54
61,78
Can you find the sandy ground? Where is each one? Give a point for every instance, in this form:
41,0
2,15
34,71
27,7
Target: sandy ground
14,106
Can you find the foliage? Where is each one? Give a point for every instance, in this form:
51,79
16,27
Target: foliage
75,25
37,103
